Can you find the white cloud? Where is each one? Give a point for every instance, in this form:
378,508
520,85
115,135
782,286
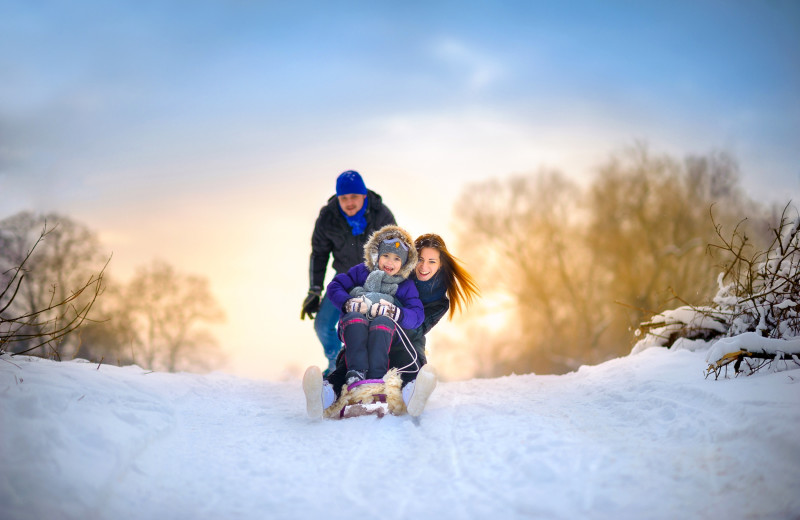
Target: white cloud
481,70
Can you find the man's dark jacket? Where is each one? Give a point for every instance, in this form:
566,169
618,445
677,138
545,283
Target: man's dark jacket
333,235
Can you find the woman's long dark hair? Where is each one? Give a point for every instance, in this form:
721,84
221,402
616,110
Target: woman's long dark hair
461,287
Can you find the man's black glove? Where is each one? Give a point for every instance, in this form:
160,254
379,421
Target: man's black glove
311,303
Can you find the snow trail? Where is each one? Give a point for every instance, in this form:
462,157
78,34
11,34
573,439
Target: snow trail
645,436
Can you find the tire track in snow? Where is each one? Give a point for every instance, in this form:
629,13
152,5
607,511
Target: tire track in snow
453,457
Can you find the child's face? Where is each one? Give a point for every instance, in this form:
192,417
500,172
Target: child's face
390,263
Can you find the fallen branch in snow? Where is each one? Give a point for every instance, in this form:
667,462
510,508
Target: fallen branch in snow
750,352
754,362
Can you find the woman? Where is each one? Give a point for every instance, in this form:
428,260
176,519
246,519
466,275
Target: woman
441,280
443,284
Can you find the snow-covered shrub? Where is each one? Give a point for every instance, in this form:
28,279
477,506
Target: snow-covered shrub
762,293
681,325
754,320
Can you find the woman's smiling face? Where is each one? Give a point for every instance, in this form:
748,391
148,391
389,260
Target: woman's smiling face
428,265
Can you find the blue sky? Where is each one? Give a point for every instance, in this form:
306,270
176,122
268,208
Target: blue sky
231,119
91,84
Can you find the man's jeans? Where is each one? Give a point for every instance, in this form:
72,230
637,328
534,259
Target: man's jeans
325,327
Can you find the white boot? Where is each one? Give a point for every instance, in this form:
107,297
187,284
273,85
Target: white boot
417,392
319,394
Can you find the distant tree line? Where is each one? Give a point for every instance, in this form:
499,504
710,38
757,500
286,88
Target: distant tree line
586,264
58,301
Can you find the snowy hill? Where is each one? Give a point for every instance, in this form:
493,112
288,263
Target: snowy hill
645,436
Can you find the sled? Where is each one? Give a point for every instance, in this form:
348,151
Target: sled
377,397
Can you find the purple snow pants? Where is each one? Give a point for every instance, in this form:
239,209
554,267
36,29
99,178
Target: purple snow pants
367,343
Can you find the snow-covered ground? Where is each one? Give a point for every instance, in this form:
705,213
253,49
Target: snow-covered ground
644,436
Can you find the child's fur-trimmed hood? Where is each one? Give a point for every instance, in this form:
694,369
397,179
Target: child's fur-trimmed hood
386,233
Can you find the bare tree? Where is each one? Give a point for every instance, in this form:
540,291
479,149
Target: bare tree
649,227
586,265
165,309
532,245
107,338
39,325
66,255
49,302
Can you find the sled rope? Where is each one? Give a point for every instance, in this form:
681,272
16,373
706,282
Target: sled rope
409,348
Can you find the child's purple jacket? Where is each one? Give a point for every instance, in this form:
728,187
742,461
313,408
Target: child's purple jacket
407,298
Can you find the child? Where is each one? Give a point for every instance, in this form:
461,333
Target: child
375,297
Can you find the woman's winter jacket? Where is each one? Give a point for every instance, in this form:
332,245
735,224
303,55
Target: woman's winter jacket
433,313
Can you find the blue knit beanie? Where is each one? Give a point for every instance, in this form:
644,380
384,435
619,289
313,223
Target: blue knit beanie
350,182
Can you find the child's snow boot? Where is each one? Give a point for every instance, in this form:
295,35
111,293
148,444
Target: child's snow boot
319,394
354,376
417,392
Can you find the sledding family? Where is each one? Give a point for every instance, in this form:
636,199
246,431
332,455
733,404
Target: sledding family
389,291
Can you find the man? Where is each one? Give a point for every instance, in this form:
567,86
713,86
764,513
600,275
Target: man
343,226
